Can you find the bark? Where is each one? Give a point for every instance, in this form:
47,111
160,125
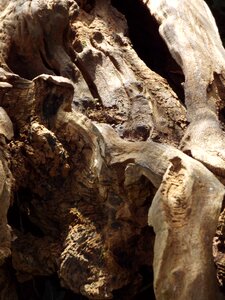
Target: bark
95,147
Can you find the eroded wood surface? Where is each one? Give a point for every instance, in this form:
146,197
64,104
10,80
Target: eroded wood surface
89,142
192,37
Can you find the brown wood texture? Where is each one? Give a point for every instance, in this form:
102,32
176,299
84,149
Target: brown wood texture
104,171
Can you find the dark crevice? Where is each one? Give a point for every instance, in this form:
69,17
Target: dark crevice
222,116
45,288
18,216
51,104
144,279
91,85
47,66
146,292
218,10
147,42
87,5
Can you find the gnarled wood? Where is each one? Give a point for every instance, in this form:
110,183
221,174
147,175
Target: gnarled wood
86,114
192,37
183,214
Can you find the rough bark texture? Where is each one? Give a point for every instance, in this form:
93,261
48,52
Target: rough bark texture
95,147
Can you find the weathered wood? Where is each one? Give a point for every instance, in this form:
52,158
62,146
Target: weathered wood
86,113
192,37
183,214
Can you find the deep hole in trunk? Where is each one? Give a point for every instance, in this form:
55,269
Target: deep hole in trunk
147,42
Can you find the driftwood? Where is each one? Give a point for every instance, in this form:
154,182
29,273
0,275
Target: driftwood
95,147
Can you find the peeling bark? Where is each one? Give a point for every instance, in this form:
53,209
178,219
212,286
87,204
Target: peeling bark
91,138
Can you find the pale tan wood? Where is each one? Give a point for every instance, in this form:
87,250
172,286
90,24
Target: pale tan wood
192,37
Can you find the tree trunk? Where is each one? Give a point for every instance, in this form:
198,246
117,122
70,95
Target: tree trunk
112,155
